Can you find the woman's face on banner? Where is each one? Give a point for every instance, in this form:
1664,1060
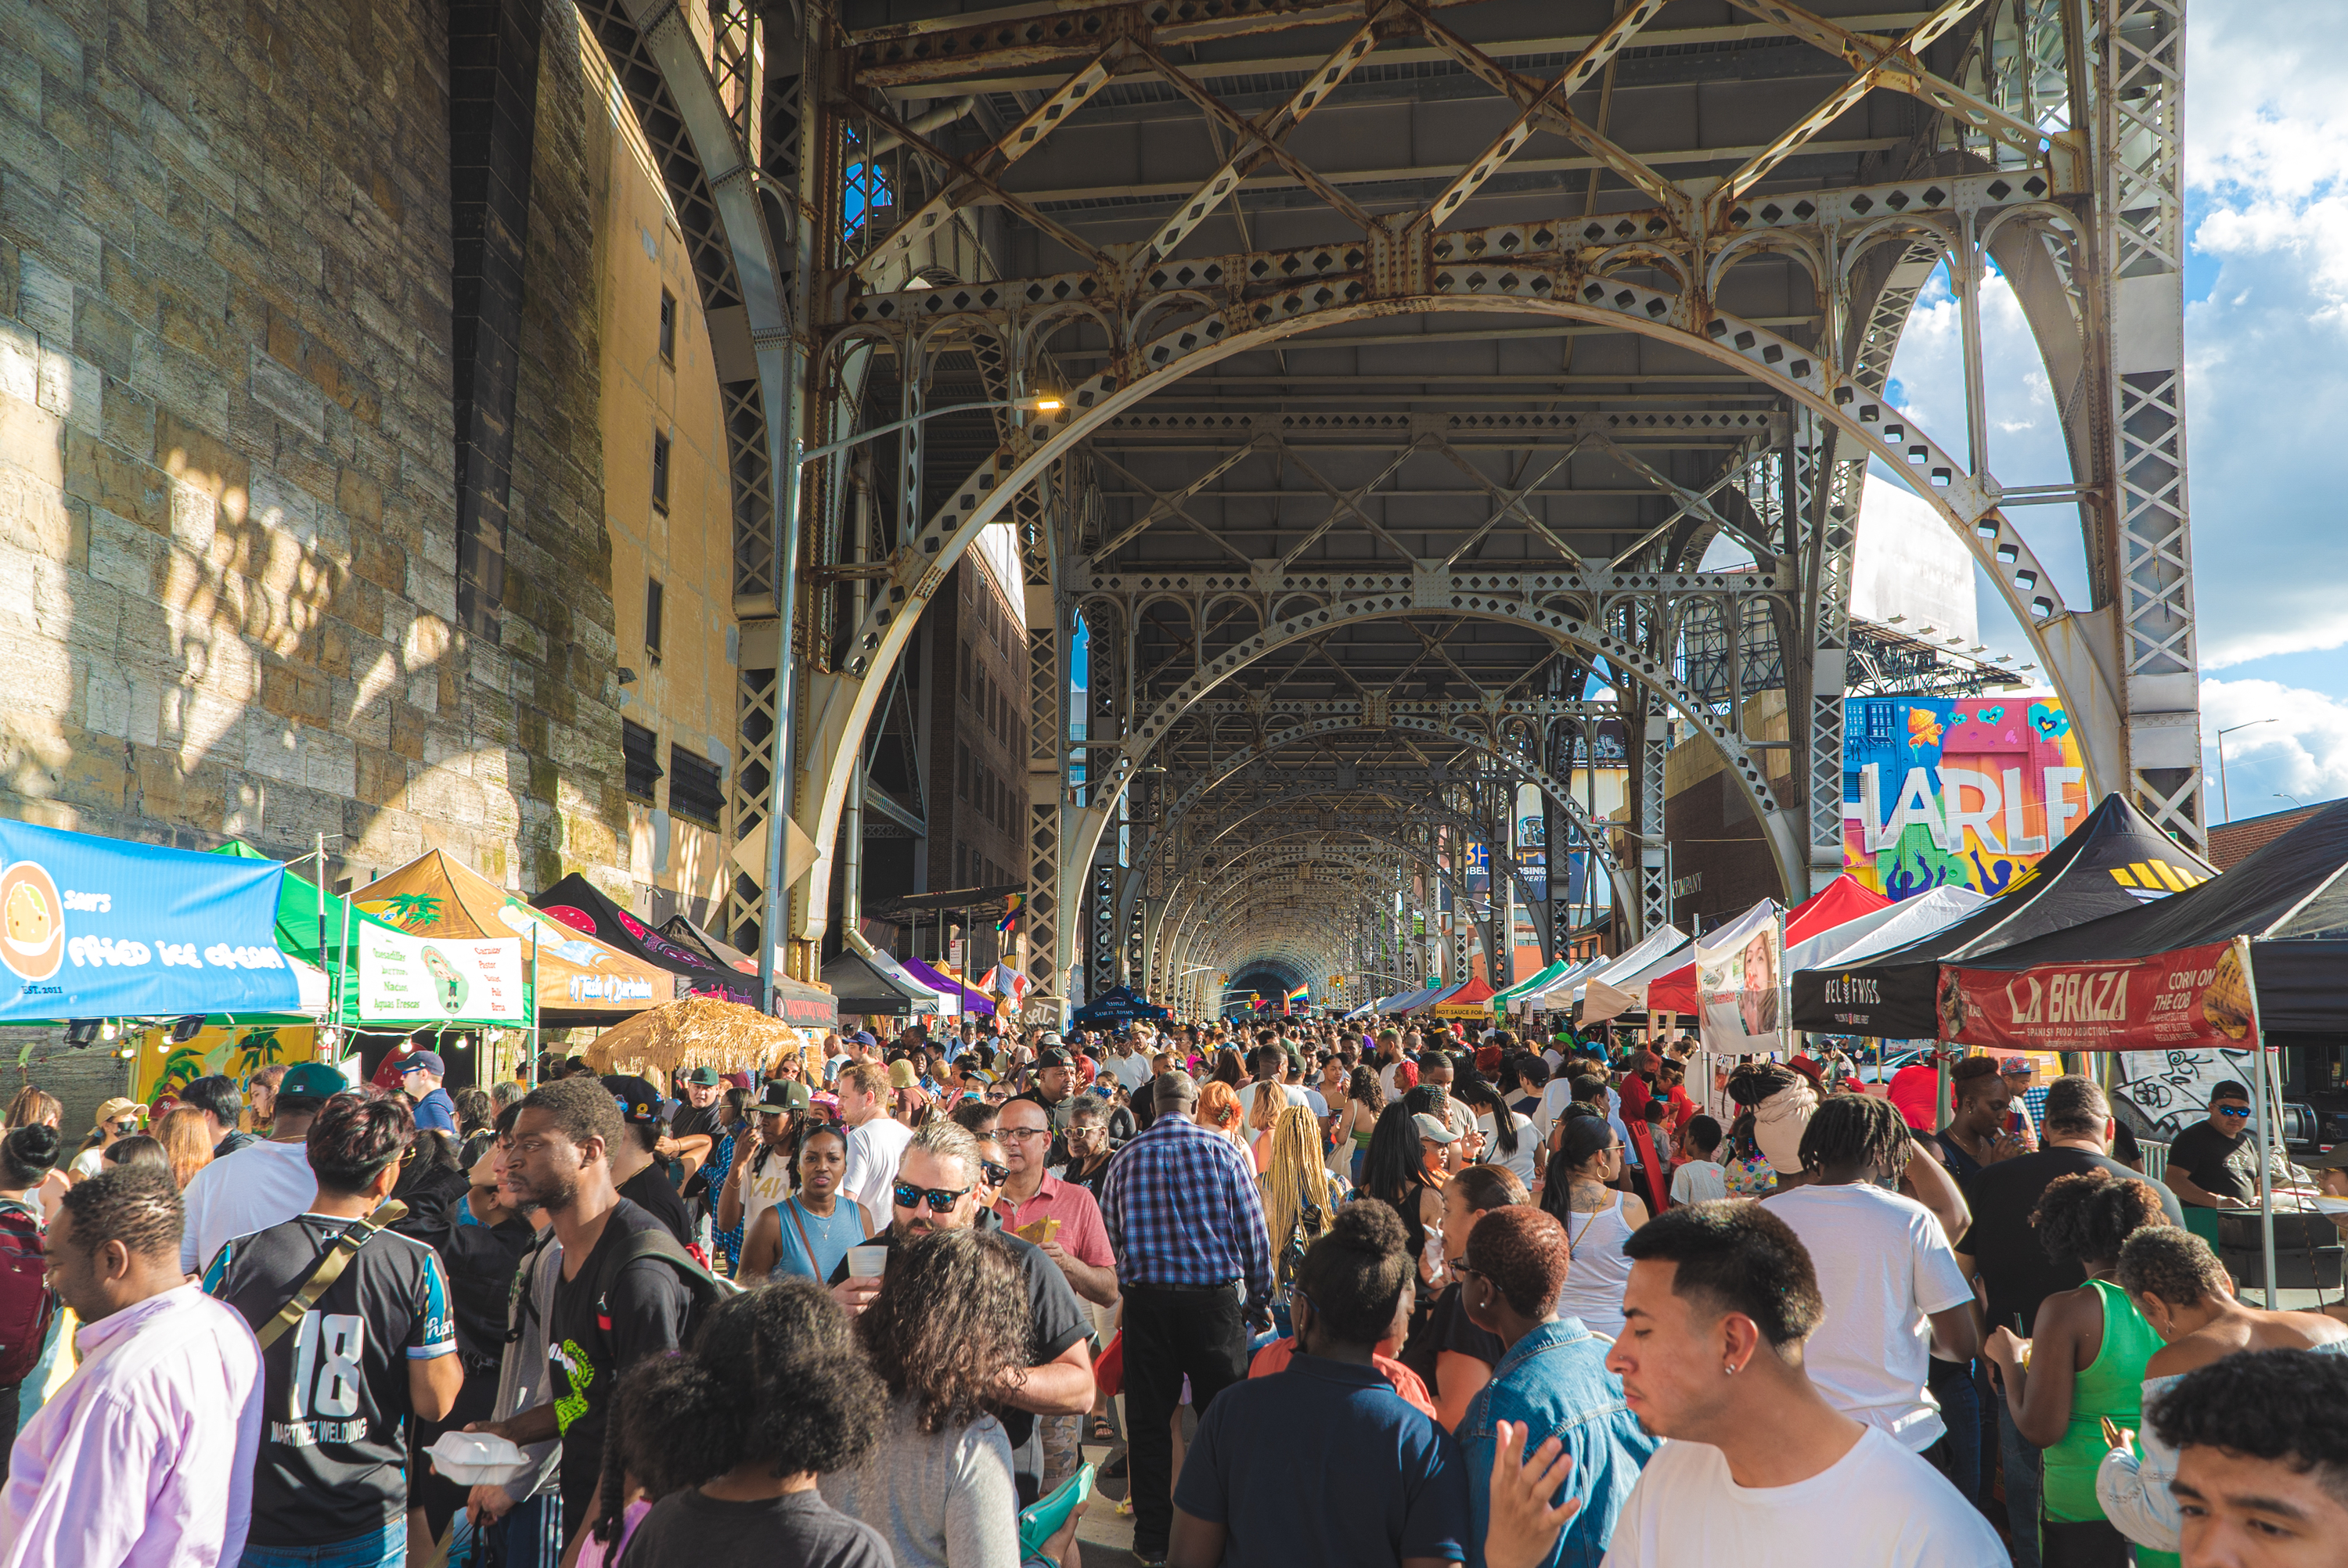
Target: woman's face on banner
1758,967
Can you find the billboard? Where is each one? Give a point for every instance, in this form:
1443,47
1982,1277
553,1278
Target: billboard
1965,790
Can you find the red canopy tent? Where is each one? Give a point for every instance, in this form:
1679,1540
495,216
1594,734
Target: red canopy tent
1844,898
1471,998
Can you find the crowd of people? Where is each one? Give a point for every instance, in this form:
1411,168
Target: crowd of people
1423,1295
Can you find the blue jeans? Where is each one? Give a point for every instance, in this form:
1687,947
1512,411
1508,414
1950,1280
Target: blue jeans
385,1548
1951,1383
2021,1486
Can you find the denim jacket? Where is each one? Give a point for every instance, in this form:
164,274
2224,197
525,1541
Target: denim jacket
1554,1381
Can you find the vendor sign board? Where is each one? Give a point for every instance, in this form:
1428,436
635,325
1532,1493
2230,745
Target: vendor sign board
2192,998
233,1050
95,928
1737,969
422,981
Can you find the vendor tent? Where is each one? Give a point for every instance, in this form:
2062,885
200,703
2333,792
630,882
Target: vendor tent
960,999
865,991
2168,976
2115,860
585,908
797,1003
1557,995
1893,926
2263,950
579,979
99,928
1643,963
1117,1007
1836,903
1531,984
1408,1001
1470,999
389,980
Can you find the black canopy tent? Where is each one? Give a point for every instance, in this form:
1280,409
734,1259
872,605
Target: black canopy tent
583,906
1117,1008
860,988
2260,950
2115,860
797,1002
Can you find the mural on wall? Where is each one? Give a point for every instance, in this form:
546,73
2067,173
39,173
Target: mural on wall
2168,1091
235,1051
1965,790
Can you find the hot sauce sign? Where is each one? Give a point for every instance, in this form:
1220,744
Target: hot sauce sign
2191,996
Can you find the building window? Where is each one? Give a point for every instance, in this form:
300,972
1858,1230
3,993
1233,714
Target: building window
962,771
653,617
660,471
640,748
668,329
696,790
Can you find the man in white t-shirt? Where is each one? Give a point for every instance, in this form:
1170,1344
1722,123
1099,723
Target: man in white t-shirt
261,1184
1130,1066
876,1141
1761,1470
1889,1276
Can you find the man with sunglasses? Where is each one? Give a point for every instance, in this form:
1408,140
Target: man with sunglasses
944,1184
2214,1164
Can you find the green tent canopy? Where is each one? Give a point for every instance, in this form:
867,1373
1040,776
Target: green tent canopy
1530,986
300,903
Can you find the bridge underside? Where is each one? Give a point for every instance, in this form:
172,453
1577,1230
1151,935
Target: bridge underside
1454,402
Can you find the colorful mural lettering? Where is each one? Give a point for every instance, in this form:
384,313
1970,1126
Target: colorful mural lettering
1965,789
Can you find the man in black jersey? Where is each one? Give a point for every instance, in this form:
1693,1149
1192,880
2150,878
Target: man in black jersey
614,1305
375,1346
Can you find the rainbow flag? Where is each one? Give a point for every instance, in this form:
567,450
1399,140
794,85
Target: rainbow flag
1012,905
1302,993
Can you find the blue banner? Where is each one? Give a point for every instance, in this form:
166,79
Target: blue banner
94,927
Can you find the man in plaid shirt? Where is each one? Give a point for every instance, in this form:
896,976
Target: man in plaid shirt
1187,1226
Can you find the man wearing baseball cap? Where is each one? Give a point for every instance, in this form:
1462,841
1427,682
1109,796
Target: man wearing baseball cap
264,1184
760,1175
641,1178
420,1072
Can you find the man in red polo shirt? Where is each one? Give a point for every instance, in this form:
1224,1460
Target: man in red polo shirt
1030,1196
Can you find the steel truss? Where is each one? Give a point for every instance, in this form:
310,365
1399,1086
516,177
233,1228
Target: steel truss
1271,483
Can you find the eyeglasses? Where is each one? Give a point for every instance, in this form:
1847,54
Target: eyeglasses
940,1199
1021,1134
995,1174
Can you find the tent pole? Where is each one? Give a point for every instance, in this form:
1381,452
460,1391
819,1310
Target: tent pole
2265,1122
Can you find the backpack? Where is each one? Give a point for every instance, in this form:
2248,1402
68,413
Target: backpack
707,1289
26,1306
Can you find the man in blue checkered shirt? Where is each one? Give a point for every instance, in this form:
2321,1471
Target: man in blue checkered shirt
1194,1266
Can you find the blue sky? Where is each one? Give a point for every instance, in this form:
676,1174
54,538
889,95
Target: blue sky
2266,347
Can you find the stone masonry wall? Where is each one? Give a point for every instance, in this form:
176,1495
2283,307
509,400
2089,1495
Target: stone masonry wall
227,547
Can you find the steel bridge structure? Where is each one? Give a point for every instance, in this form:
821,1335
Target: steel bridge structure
1404,359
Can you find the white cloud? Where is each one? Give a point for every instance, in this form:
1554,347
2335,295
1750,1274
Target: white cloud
2300,751
2266,349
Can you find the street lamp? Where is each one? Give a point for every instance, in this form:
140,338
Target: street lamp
2225,801
1041,403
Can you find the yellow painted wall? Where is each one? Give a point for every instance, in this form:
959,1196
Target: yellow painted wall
687,696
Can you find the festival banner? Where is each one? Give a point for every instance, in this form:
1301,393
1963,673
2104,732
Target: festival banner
2191,998
1965,790
1737,969
99,927
418,982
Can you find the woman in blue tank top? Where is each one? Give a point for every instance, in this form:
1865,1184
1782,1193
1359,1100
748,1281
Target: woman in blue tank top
808,1233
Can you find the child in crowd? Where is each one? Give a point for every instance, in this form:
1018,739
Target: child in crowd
1698,1178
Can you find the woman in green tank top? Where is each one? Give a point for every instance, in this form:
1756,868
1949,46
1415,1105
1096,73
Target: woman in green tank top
2083,1364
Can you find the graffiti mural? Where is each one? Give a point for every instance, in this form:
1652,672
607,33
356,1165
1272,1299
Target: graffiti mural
1965,790
2168,1091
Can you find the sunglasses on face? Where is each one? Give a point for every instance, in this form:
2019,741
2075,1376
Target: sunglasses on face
940,1199
995,1174
2238,1112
